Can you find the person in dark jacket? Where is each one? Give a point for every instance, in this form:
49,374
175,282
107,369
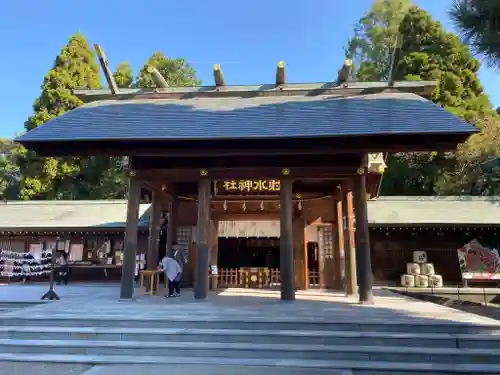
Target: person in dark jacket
62,268
181,260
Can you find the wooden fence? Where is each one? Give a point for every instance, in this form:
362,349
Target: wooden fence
260,278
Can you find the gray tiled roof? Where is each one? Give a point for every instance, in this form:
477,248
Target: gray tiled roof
68,214
461,210
382,211
255,117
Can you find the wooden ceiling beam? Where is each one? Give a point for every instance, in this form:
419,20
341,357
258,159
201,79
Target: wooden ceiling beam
290,161
194,174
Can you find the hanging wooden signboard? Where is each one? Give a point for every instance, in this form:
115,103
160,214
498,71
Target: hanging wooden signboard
243,187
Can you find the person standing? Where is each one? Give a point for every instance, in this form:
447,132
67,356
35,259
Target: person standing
172,271
62,268
178,256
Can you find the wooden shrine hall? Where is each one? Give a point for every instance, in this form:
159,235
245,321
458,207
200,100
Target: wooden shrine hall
312,139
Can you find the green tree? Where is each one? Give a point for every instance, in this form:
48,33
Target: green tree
67,178
472,173
9,171
374,39
124,75
425,52
479,23
75,67
428,52
176,71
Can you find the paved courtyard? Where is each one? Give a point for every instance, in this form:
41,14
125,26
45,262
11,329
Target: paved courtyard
95,301
101,301
17,368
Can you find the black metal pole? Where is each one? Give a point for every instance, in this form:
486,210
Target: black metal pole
51,294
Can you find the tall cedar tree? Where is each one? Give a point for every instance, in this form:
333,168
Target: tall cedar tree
52,178
66,178
428,52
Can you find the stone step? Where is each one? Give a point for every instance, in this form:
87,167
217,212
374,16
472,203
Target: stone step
439,340
308,366
203,322
250,350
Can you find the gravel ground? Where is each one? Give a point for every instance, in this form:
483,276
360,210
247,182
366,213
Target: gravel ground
34,368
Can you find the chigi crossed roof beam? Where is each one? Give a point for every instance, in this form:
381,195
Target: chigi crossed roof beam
340,86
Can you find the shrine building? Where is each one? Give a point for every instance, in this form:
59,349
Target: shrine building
283,156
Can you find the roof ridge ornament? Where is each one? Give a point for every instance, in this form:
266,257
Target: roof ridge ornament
113,87
280,74
344,72
219,76
158,79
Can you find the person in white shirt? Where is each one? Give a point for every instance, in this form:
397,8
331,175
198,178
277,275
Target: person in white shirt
172,271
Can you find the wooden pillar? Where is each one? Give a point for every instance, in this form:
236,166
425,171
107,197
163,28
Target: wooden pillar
306,256
286,241
202,238
300,258
154,232
213,243
363,256
130,249
171,224
339,255
350,249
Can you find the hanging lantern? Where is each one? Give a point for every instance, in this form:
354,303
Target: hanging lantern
299,205
244,206
262,205
225,206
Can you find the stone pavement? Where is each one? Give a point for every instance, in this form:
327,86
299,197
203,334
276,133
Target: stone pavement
205,370
101,301
85,305
20,368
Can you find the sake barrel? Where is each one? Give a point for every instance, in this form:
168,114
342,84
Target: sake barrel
408,280
422,281
413,269
420,256
427,269
435,281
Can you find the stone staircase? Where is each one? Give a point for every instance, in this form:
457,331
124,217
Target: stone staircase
313,346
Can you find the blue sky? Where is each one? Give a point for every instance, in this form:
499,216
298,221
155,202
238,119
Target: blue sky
247,38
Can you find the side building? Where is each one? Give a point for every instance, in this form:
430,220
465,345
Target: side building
246,234
91,232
